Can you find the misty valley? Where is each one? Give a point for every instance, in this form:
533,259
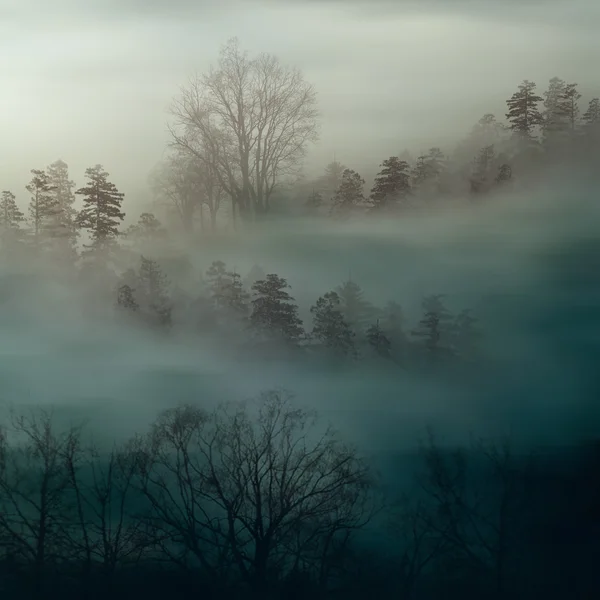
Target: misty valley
271,383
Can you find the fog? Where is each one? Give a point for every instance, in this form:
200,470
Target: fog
475,244
389,75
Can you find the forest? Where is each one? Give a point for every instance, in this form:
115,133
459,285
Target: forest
167,384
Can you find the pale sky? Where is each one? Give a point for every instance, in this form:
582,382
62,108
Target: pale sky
90,81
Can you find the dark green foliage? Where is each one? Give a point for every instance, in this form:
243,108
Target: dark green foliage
523,114
274,312
101,212
379,341
392,185
349,196
329,326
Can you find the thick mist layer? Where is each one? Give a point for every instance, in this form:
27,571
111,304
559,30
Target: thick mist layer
524,265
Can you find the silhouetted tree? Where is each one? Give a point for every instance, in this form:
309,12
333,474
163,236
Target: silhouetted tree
66,215
523,114
253,485
329,326
379,341
349,197
274,311
101,212
44,213
482,170
436,327
392,185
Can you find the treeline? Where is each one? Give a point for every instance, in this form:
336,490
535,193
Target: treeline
261,310
491,158
257,499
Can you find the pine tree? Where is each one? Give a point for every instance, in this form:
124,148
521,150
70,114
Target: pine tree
349,197
436,327
571,106
379,341
10,218
153,293
148,229
43,208
591,125
217,281
329,326
66,215
426,175
274,311
482,170
101,212
392,185
234,298
357,311
255,274
523,113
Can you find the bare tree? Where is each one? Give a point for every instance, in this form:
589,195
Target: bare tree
106,533
34,486
189,185
251,120
254,486
472,508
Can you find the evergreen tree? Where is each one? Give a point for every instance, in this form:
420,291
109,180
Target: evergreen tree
357,311
10,218
101,212
349,197
274,311
329,326
425,176
234,298
482,170
561,114
591,125
523,113
43,209
392,185
153,293
148,229
66,215
379,341
436,326
217,281
591,117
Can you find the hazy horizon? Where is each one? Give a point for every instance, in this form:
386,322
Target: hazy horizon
92,84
